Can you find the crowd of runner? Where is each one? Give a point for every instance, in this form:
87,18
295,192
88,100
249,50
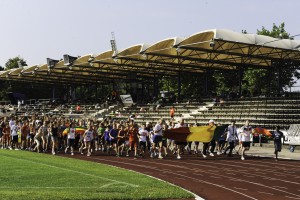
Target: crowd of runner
118,138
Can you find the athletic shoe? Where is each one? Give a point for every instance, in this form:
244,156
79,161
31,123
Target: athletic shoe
127,155
17,149
89,154
211,154
178,157
242,158
72,154
10,148
160,157
204,156
66,150
53,153
219,153
151,155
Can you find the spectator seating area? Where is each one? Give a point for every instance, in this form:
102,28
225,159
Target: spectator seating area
262,112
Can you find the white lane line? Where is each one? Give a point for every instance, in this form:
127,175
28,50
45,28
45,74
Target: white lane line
186,177
195,195
265,193
243,170
292,197
74,171
240,188
280,187
241,180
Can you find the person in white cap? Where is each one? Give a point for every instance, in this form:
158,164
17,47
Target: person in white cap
205,145
212,143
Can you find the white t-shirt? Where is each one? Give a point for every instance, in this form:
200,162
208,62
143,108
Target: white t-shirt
14,130
143,135
158,130
88,136
245,133
11,123
179,125
71,134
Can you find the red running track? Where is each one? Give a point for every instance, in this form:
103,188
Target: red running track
218,177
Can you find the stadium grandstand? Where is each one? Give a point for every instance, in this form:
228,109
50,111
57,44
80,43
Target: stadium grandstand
143,65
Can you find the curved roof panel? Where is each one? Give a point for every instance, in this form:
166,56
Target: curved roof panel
209,49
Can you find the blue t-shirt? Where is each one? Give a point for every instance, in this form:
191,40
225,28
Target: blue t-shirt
114,133
106,135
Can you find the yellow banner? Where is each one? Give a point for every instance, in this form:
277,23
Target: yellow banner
201,134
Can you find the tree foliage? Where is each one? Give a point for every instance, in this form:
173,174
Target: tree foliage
273,80
13,62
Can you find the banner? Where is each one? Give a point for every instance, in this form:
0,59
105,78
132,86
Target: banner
126,99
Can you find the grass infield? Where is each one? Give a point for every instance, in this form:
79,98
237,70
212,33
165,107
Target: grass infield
26,175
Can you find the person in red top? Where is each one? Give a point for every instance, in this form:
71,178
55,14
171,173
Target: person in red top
24,132
172,112
133,138
78,108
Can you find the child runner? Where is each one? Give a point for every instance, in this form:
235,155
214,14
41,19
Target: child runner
71,139
143,133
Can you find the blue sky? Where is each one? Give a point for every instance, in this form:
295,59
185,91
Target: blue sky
37,29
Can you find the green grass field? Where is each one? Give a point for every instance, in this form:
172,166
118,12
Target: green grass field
26,175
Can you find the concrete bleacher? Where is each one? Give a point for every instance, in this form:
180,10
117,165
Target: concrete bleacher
262,112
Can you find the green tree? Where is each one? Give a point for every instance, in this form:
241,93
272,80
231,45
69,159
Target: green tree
5,85
273,80
13,63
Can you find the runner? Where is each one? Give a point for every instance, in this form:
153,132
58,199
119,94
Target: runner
38,138
246,132
71,139
143,133
121,141
87,139
180,145
277,135
113,134
14,136
157,139
53,129
25,132
231,137
133,139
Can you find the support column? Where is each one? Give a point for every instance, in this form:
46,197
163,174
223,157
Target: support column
278,79
179,84
241,75
53,92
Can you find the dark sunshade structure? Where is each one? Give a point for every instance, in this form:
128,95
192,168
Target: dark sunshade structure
215,49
